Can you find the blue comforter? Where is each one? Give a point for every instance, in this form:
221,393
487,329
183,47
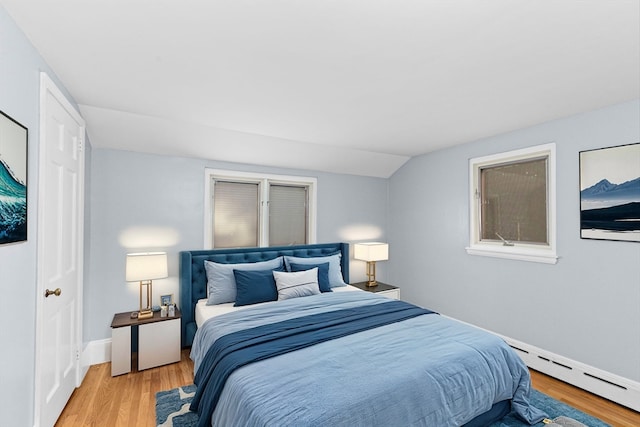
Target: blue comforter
426,370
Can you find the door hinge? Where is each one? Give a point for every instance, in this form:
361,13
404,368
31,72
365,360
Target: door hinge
77,355
80,145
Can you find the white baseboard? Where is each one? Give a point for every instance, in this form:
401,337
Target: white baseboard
96,352
621,390
618,389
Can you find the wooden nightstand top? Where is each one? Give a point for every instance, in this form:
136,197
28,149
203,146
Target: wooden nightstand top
124,319
380,287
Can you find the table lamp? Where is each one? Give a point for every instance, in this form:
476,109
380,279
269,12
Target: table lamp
371,252
145,267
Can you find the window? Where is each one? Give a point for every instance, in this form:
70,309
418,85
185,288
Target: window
512,205
235,213
246,209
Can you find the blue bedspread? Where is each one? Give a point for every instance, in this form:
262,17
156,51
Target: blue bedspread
426,370
240,348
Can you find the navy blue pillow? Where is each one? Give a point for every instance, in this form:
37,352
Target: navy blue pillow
254,286
323,273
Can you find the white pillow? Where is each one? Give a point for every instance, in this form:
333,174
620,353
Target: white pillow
335,268
297,284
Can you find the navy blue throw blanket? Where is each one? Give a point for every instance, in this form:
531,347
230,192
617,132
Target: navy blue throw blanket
237,349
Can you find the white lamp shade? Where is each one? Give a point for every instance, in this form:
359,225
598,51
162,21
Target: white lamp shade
371,251
146,266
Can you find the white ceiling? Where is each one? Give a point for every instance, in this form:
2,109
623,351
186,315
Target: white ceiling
347,86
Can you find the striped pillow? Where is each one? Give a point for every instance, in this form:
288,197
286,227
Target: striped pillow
297,284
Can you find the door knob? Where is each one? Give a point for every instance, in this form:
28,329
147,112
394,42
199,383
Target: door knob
57,292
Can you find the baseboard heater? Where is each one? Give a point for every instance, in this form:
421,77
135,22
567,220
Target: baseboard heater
610,386
605,384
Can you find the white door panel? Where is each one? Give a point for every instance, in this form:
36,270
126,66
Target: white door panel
60,234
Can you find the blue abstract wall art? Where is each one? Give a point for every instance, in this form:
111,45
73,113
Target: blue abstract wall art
13,180
610,193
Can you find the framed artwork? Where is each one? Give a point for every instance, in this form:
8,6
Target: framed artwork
166,299
13,180
610,193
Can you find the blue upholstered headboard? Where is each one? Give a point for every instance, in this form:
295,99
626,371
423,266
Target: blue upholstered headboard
193,279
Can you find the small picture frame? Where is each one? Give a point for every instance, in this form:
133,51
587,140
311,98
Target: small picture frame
166,299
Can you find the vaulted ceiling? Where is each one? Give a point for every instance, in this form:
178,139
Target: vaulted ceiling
348,86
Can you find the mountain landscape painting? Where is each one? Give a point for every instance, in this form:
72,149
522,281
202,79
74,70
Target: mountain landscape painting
13,180
610,193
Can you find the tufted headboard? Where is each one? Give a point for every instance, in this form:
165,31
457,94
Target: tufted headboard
193,279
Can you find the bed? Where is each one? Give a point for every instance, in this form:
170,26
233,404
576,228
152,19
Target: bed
353,358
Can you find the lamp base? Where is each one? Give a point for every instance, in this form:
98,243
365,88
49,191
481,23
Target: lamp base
145,310
145,314
371,274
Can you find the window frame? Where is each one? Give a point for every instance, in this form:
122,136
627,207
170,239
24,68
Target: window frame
263,180
543,253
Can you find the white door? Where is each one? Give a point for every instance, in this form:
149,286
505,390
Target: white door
60,253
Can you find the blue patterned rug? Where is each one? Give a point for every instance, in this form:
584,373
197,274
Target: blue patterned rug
172,407
172,410
554,408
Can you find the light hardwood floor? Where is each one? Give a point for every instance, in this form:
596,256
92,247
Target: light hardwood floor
607,411
129,400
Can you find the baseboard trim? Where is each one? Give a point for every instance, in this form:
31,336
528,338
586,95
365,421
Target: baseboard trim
96,352
618,389
621,390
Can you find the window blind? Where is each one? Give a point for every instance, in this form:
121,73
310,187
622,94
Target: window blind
235,214
287,215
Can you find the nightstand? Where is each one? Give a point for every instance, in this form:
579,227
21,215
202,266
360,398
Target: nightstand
388,291
158,341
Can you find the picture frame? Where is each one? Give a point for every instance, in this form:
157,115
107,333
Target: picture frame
14,142
610,193
166,299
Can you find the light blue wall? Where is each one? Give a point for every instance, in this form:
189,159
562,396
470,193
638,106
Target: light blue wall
142,202
20,66
587,307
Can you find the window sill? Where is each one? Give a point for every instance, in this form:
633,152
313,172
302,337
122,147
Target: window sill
514,252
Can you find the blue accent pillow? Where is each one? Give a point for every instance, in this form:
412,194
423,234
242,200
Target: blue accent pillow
335,269
255,286
323,273
221,283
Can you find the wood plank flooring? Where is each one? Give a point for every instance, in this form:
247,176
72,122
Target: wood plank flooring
126,400
606,410
129,400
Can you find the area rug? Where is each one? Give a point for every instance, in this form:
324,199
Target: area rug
554,408
172,410
172,407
